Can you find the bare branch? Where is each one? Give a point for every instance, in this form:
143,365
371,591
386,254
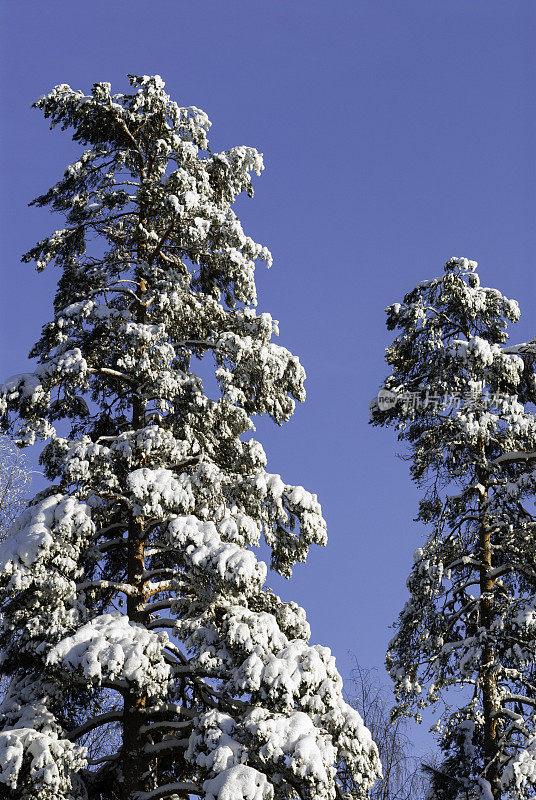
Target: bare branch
15,479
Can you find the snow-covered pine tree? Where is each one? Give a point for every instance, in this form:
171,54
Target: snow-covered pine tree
135,618
457,396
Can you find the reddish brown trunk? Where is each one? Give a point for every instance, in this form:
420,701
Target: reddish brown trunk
134,761
488,682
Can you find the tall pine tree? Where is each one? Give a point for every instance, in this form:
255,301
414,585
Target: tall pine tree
457,395
147,660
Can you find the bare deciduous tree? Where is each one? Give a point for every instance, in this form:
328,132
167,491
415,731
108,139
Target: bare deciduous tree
402,774
15,479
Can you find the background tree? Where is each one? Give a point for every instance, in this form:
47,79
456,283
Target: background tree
402,776
132,597
456,395
15,480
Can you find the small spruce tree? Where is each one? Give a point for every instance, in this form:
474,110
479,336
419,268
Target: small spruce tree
147,660
457,395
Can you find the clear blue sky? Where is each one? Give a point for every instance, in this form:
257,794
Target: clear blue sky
395,134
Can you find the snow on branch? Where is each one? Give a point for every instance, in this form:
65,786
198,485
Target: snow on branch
112,647
57,524
51,759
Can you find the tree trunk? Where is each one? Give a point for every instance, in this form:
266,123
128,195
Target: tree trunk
134,761
488,679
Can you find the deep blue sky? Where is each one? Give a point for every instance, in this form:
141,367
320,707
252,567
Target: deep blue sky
395,134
